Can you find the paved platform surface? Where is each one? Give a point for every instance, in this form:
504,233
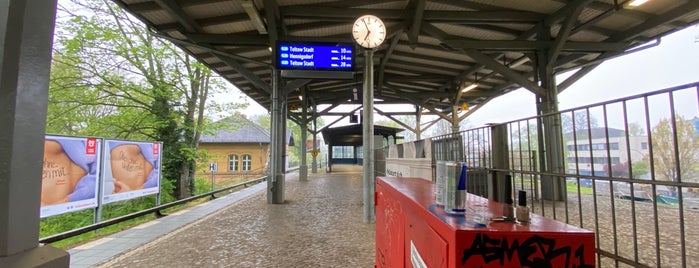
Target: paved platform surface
320,225
105,249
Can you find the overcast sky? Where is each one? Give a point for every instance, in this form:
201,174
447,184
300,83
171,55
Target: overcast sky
674,62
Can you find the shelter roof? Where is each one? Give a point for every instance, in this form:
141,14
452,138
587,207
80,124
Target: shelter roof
351,135
433,47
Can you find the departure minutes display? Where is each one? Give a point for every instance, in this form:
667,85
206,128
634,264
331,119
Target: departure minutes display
315,56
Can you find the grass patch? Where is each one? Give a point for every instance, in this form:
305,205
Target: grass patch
66,222
570,186
70,221
573,188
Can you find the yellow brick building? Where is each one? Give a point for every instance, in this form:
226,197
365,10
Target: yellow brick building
239,147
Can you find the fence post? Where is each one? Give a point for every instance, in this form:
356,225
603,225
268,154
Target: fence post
500,158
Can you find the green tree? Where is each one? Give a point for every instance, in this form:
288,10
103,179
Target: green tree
524,145
263,120
295,152
620,170
407,134
112,78
580,119
639,168
442,127
635,129
663,148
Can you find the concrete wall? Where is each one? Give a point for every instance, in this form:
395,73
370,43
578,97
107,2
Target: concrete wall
411,159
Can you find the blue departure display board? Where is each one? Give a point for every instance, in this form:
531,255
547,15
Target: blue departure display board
315,56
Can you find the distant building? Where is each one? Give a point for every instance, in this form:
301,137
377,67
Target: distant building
595,150
239,147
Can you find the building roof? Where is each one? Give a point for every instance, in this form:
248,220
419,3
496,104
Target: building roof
597,133
237,129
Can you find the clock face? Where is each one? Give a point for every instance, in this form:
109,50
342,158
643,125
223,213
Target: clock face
369,31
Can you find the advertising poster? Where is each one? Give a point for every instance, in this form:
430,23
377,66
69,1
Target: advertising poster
69,174
131,170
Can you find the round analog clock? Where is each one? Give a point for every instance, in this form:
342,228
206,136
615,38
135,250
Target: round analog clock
369,31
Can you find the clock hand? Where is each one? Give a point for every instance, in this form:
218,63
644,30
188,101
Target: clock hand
367,30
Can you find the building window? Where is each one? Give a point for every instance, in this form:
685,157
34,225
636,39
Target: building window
343,152
600,160
614,146
232,162
644,145
247,162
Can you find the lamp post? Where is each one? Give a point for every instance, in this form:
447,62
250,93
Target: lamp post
369,32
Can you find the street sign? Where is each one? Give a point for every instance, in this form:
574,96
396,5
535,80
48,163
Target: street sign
213,166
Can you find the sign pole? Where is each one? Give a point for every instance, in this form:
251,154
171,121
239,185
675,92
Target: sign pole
212,168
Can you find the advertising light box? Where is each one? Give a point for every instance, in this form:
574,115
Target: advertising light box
69,174
131,170
319,56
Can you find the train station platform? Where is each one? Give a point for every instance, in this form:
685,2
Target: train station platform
320,225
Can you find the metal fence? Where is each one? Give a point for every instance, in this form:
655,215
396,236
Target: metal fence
627,169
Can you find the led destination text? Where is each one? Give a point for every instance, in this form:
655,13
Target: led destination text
315,56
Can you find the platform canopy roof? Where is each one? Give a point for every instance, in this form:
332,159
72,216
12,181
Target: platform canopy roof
351,135
433,47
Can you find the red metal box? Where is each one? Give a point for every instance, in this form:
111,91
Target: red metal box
412,231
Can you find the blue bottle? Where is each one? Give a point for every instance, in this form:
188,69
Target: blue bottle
460,205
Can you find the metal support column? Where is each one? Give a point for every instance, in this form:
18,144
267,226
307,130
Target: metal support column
496,187
329,162
275,181
303,168
455,128
552,187
368,137
418,128
283,139
315,141
26,31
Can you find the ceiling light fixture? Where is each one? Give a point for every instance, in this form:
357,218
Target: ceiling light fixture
471,86
635,3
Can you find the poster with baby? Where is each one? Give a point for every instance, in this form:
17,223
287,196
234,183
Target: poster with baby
131,170
69,174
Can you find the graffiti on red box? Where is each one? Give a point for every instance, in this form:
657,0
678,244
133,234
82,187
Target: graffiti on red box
527,251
